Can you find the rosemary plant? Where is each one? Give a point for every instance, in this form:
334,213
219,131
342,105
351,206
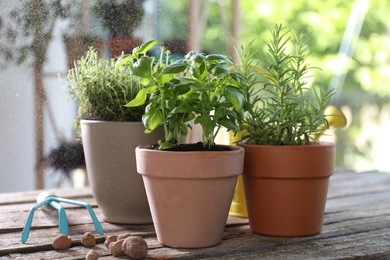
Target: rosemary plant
101,89
284,109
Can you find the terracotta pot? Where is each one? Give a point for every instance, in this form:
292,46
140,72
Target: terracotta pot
286,187
189,193
118,45
110,159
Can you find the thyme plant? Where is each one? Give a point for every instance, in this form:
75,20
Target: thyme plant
101,89
284,109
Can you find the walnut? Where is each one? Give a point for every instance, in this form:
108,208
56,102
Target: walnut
88,240
62,242
92,255
135,247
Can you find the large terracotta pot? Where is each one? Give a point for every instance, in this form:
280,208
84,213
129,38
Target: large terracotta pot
286,187
110,159
189,193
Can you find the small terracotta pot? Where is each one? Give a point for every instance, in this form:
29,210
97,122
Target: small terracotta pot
77,45
189,193
118,45
286,187
110,159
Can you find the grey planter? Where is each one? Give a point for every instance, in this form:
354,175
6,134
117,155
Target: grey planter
118,189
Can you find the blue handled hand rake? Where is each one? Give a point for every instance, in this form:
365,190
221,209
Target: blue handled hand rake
52,202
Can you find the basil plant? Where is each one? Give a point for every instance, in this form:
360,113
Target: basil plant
199,87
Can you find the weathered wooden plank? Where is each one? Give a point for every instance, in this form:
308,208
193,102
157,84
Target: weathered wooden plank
40,236
334,242
9,208
350,184
354,213
40,240
355,237
42,219
30,196
362,199
356,224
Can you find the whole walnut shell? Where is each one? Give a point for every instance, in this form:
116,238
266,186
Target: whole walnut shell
61,242
135,247
88,240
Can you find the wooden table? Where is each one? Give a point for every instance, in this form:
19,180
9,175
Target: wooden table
356,226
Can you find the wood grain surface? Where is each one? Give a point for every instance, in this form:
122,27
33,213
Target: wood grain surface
356,226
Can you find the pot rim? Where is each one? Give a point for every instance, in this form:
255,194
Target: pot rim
88,121
234,149
321,144
190,165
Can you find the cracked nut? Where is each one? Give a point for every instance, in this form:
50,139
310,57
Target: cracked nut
115,248
110,239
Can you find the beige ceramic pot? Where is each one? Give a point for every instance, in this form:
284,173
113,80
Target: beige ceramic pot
110,159
189,193
286,187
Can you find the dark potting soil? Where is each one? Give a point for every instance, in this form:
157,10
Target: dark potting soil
193,147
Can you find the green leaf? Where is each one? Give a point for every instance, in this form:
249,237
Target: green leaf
202,119
152,119
220,112
145,47
209,128
183,109
195,56
123,60
176,67
219,70
183,88
235,97
140,99
143,67
229,125
165,78
166,145
218,57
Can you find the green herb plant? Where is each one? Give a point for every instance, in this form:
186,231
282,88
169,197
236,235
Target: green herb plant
283,109
102,88
198,88
215,94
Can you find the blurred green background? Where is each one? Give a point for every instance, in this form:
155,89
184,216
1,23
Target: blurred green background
364,92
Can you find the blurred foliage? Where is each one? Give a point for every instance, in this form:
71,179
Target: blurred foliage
177,15
28,27
367,72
